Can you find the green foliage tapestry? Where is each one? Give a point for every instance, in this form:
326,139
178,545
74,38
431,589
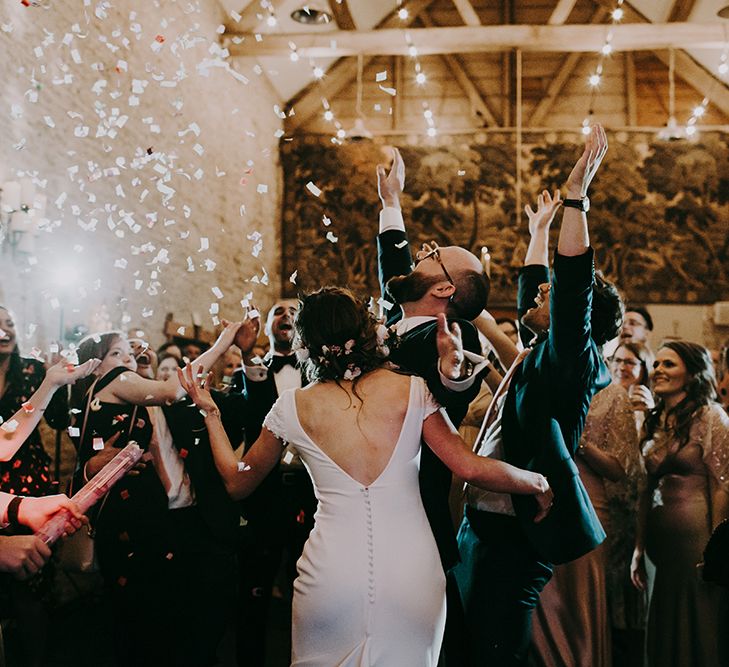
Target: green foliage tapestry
659,221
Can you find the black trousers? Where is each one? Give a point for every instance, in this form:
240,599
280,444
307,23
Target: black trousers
500,578
268,541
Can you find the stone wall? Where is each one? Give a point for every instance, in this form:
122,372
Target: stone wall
156,155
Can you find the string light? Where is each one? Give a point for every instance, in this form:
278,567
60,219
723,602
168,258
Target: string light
329,115
420,78
606,50
318,72
403,14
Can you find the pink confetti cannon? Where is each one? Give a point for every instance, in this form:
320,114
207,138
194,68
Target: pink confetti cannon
93,491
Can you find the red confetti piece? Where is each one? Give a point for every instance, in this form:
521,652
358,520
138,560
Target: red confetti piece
183,453
159,38
170,556
140,423
301,517
28,408
124,494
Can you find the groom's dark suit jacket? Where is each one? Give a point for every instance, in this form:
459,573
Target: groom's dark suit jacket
416,352
546,405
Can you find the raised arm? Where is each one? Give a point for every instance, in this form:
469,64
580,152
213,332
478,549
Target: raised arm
240,478
540,222
574,238
16,429
499,476
131,388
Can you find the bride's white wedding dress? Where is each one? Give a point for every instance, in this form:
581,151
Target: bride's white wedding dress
371,589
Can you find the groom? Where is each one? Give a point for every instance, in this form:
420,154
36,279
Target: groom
431,304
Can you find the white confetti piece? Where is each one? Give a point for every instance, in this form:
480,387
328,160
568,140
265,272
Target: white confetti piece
401,245
293,276
74,432
326,221
216,291
331,237
98,444
288,457
204,245
243,466
10,426
389,91
384,303
313,189
181,331
381,76
262,188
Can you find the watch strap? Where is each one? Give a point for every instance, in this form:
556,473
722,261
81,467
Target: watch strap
575,203
13,508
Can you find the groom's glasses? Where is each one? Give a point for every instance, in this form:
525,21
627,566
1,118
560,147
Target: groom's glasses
432,250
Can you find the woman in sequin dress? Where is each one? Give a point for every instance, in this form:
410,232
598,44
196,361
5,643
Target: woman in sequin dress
686,453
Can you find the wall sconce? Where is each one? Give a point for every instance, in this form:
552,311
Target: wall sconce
21,211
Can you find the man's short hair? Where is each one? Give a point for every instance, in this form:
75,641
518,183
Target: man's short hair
607,311
643,312
471,295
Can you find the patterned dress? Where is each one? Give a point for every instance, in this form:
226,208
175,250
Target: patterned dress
28,472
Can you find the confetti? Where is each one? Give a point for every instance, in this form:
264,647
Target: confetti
313,189
381,76
243,466
10,426
288,457
389,91
292,277
216,291
74,432
28,408
98,444
331,237
326,221
262,189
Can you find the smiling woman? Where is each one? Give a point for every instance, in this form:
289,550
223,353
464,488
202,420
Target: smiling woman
686,452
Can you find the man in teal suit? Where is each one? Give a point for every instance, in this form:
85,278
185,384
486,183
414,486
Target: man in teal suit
539,414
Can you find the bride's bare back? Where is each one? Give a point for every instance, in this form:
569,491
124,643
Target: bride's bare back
357,432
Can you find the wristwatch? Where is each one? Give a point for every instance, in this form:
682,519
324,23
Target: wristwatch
582,204
13,508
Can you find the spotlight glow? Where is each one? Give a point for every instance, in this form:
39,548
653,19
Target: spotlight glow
432,131
328,116
403,14
607,49
341,134
618,13
699,111
412,51
594,80
420,78
318,73
271,21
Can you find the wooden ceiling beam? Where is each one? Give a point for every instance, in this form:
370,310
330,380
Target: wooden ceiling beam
253,14
467,12
561,12
458,70
308,102
342,15
564,72
681,10
570,38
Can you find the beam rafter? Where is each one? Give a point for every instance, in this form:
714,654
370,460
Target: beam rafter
570,38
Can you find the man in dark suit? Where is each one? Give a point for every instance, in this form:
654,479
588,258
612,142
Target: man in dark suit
540,411
278,516
431,305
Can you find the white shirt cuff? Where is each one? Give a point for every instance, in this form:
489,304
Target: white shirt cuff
257,373
391,218
479,363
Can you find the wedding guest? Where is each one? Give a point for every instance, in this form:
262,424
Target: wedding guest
686,453
149,532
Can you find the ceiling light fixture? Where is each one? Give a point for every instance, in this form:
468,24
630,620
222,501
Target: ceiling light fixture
311,14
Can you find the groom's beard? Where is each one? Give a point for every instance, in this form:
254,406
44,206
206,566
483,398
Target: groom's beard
409,288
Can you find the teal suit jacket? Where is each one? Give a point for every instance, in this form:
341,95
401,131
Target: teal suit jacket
546,405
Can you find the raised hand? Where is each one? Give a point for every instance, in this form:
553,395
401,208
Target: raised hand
547,206
227,335
64,373
391,185
586,167
196,388
34,512
248,332
450,348
23,555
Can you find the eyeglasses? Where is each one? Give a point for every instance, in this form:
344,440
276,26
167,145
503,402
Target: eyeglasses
432,250
630,363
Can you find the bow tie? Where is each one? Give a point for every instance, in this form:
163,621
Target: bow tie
276,362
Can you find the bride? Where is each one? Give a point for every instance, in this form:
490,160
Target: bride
370,590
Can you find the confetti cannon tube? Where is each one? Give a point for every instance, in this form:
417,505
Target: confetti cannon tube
93,491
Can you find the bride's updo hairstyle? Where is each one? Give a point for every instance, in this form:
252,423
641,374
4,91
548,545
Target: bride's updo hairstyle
338,337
